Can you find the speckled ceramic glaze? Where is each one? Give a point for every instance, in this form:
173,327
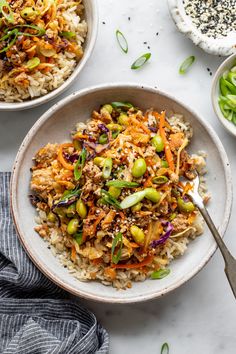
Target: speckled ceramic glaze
215,93
91,16
217,46
55,126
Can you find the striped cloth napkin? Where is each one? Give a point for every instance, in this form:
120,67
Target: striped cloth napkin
37,317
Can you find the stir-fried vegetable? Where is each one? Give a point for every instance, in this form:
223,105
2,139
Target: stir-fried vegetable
80,164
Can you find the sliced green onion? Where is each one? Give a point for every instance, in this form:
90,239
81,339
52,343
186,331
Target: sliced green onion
103,139
133,199
115,134
69,196
140,61
107,167
41,31
7,14
160,180
165,348
32,63
78,237
80,164
122,41
68,35
116,257
160,274
121,106
109,199
122,184
13,33
186,64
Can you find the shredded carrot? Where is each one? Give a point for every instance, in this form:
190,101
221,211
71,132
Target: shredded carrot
61,158
140,125
90,230
80,136
145,262
122,215
73,253
168,153
148,182
134,245
96,261
110,273
109,218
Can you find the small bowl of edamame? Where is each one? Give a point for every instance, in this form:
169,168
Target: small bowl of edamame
223,94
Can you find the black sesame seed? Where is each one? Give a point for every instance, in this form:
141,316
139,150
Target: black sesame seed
129,18
157,33
103,22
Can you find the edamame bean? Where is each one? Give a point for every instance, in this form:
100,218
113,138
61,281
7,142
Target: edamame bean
72,226
138,234
107,107
77,145
99,161
136,207
103,138
139,168
123,119
51,217
114,191
164,164
107,167
158,142
152,194
81,208
114,127
70,212
185,207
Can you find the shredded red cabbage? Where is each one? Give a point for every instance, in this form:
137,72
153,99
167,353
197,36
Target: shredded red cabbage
103,128
164,238
153,129
97,147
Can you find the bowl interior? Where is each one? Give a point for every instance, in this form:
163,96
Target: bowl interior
91,17
55,126
226,65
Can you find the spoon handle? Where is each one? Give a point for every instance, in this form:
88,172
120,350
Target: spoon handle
230,262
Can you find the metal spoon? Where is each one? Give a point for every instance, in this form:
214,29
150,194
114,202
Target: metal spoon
230,262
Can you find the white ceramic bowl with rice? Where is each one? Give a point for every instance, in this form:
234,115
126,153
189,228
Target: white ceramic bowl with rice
218,178
22,89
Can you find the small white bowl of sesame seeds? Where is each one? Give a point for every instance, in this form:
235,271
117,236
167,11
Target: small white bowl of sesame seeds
210,24
218,97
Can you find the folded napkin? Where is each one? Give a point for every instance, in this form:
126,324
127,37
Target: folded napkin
37,317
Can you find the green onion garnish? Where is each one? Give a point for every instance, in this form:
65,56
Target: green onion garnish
14,34
41,31
160,274
107,168
6,10
116,257
132,199
68,35
140,61
68,197
121,106
122,41
165,348
80,164
79,237
160,180
109,199
122,184
186,64
32,63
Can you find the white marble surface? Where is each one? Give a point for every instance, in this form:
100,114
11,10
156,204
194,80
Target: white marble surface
200,316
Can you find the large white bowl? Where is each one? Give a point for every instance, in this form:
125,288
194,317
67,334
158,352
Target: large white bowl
55,126
91,17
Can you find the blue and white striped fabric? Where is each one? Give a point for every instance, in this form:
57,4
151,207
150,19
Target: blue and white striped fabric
36,316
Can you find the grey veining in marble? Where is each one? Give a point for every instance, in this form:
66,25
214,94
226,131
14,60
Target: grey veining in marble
200,317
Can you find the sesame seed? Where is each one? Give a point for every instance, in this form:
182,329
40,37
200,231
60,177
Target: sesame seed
214,18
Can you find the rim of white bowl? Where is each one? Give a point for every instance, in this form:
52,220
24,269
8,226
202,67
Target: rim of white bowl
215,92
16,106
218,46
31,252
